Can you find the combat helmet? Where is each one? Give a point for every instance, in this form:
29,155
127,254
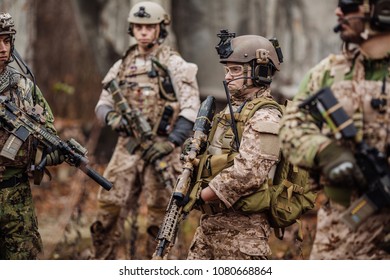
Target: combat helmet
263,55
149,13
7,27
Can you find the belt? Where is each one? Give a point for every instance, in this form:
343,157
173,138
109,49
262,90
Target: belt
13,181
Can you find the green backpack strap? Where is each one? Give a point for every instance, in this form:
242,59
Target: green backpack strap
251,108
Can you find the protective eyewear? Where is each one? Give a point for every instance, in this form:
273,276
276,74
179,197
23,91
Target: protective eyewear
349,6
234,70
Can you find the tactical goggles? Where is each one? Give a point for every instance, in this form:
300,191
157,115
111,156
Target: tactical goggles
234,70
349,6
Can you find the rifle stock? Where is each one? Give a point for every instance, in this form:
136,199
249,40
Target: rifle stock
182,199
21,125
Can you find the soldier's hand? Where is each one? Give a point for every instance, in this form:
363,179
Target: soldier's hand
187,145
54,158
339,166
158,150
117,122
191,143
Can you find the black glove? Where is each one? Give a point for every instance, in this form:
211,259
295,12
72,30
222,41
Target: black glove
54,158
339,166
157,151
117,122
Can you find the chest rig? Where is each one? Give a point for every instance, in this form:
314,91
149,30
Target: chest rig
221,151
147,87
21,156
362,88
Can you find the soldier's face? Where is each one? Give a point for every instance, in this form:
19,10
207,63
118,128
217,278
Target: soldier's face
352,24
146,34
234,76
5,49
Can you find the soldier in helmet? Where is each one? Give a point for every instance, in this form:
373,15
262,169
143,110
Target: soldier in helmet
359,79
156,81
239,158
19,236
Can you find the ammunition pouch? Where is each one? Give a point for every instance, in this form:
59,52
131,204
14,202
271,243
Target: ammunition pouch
165,122
165,84
166,88
339,195
214,164
167,118
256,202
22,155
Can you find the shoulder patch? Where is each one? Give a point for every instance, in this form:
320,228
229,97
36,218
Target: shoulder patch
266,127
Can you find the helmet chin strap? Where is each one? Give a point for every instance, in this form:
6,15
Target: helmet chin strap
236,94
155,40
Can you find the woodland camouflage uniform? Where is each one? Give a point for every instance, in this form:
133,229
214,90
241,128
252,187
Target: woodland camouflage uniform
19,236
355,81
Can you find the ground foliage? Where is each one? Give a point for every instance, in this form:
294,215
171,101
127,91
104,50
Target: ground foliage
67,236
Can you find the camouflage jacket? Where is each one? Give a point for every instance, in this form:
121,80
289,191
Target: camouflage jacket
355,82
20,90
142,90
256,156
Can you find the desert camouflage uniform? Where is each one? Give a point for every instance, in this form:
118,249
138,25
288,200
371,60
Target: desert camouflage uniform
355,82
128,172
225,233
19,236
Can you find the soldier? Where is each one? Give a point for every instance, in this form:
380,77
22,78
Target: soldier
157,81
238,164
19,236
359,80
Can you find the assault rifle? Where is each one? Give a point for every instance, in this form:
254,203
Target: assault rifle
185,195
21,125
136,125
375,191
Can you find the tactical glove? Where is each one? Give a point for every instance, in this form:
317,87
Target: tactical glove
157,151
117,122
54,158
339,166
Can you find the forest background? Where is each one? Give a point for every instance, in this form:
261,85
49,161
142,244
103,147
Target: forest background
70,45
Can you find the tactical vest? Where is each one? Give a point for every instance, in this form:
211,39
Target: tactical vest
355,83
286,195
26,153
212,162
147,87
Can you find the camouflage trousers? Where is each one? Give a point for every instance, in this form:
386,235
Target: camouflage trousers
231,236
130,177
19,236
335,241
